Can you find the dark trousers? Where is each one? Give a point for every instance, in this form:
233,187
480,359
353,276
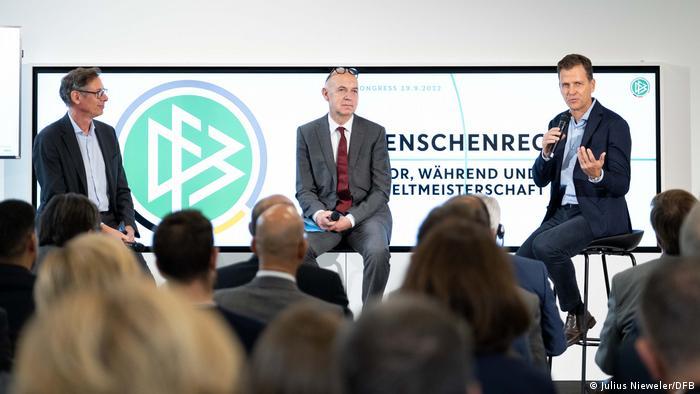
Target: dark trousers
370,239
558,239
109,219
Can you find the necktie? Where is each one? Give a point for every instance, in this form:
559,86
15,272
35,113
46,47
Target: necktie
343,190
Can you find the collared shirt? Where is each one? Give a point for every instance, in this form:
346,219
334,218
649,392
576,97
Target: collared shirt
276,274
95,173
335,141
573,141
335,135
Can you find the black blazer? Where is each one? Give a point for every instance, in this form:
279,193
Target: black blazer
602,204
16,298
315,281
59,166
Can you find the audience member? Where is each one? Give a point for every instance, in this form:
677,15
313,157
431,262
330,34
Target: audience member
127,338
89,261
5,345
532,276
471,209
410,345
65,216
690,233
295,354
669,344
668,210
280,245
185,255
18,249
459,264
315,281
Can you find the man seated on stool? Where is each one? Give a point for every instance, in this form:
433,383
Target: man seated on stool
586,158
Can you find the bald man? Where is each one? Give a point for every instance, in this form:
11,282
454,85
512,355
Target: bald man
315,281
280,245
343,182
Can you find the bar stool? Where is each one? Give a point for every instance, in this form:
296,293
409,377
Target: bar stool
617,245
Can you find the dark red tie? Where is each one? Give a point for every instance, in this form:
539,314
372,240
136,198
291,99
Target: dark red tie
344,198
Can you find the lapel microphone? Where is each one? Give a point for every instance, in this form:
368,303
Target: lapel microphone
563,122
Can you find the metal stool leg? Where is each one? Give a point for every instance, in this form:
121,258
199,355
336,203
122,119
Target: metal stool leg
605,273
585,332
634,261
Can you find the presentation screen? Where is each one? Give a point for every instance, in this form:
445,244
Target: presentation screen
219,139
10,61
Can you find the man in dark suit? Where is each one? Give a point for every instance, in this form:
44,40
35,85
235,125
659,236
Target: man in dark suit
280,244
18,249
343,167
81,155
588,166
185,255
318,282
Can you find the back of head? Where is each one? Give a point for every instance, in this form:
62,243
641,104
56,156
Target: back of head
669,315
690,233
128,338
460,265
279,236
408,344
16,225
262,205
90,261
465,207
494,210
65,216
668,210
293,349
183,245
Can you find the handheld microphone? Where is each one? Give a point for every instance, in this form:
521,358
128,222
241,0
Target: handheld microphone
335,216
136,247
563,122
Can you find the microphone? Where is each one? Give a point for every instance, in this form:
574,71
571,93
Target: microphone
136,247
335,216
563,122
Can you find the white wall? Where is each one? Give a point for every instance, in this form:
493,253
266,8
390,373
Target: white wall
375,32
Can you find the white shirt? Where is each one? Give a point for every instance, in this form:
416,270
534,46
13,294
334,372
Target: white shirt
335,135
95,173
335,141
276,274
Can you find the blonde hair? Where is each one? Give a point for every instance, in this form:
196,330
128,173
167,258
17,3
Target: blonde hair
128,338
89,261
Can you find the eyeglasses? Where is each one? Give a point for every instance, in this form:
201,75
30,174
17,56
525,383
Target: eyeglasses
98,93
343,70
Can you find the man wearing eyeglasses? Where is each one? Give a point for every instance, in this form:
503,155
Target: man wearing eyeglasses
343,180
81,155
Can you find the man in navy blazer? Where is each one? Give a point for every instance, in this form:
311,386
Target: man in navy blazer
343,180
81,155
588,165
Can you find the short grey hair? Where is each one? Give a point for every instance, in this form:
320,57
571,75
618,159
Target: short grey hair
493,208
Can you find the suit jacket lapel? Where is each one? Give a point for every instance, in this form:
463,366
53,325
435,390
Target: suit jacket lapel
324,140
356,139
103,141
71,143
592,124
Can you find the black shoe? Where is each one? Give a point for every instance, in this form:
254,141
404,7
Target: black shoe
576,325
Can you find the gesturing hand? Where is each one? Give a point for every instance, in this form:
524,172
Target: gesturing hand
589,164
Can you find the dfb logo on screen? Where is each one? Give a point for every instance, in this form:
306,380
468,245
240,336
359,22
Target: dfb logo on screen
639,87
192,144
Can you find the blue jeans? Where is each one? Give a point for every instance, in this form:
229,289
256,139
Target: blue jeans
558,239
